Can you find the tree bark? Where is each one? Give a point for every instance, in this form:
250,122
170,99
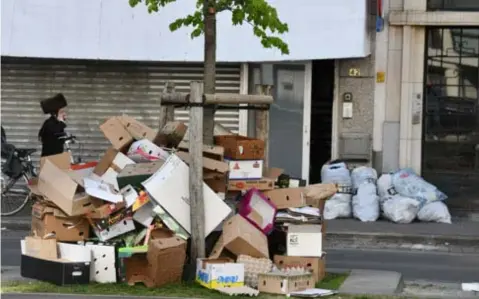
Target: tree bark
209,67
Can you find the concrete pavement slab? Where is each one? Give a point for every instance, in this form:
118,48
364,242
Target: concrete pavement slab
372,282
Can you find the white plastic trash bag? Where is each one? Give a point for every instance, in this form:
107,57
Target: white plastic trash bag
394,207
409,184
435,212
339,205
365,200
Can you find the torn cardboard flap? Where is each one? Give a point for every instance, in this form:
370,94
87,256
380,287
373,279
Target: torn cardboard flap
319,192
102,190
62,161
40,248
209,164
64,190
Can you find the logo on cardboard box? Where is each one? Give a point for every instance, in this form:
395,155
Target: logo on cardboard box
293,240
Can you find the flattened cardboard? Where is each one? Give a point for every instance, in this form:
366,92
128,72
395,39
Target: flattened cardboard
49,221
209,151
143,151
169,187
40,248
136,174
116,133
64,189
137,129
241,147
241,237
316,265
209,164
62,161
102,190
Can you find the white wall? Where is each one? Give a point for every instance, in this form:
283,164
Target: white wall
111,29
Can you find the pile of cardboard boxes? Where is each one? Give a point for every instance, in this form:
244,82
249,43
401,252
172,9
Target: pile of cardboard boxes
126,217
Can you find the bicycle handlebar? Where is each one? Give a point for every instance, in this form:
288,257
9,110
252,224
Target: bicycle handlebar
68,138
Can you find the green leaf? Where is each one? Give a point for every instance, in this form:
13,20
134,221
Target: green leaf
262,17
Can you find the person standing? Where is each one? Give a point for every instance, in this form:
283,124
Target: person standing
53,129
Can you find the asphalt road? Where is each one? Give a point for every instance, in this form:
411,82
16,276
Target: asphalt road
432,266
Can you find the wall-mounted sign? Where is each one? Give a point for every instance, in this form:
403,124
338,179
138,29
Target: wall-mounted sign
380,77
354,72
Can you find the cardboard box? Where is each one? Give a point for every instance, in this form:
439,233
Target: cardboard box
316,265
217,182
287,198
241,147
284,284
103,265
171,134
209,151
218,273
162,264
263,184
137,129
305,240
102,190
116,133
136,174
245,169
208,164
57,263
64,189
51,221
112,159
258,210
169,187
102,210
62,161
241,237
117,229
144,150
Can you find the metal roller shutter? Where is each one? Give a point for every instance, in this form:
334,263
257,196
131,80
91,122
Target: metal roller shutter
95,91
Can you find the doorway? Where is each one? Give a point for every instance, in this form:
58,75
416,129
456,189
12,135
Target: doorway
322,98
450,145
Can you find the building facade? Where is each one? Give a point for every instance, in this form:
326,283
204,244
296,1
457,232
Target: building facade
426,95
388,83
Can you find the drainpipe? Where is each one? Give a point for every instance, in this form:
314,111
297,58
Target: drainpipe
380,67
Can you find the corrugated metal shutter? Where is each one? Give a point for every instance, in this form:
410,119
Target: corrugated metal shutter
96,91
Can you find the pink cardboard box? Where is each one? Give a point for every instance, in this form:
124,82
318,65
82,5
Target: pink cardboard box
258,210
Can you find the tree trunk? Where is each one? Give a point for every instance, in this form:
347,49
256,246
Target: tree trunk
209,67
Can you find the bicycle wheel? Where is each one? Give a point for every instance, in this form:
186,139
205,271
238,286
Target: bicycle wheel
15,195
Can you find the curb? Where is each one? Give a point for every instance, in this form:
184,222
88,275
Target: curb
16,224
460,244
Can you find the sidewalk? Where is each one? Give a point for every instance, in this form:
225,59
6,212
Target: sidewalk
462,236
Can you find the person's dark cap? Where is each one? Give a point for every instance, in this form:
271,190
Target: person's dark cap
53,104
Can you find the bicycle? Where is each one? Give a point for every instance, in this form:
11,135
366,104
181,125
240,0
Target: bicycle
15,195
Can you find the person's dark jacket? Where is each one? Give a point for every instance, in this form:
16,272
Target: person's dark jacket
4,136
50,134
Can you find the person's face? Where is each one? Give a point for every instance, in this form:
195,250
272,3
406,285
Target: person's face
62,114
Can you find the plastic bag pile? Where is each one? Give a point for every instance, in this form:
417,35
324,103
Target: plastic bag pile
399,197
